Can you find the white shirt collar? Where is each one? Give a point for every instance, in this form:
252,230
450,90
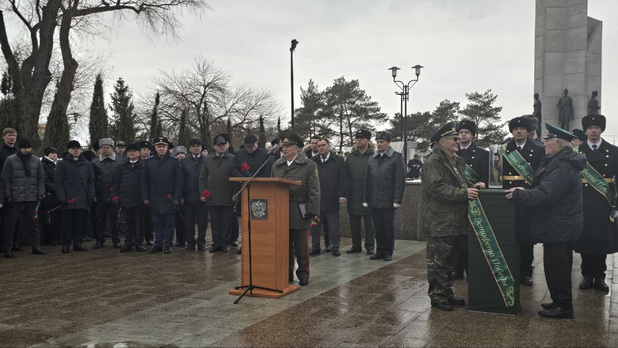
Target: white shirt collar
290,162
598,143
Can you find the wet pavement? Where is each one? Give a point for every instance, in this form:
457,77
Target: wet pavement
104,298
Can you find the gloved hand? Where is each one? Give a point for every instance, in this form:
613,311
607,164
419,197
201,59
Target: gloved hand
366,205
396,205
64,203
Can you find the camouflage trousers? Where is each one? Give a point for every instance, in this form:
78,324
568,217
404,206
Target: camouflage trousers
442,255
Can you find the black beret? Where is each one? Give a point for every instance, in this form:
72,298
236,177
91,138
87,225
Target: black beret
580,134
446,130
49,150
384,135
221,138
593,120
363,133
134,146
521,121
195,141
466,124
24,143
73,144
557,132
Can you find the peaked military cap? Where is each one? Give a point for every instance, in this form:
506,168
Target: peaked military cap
135,146
467,124
363,133
521,121
291,138
593,120
221,138
557,132
446,130
145,144
384,135
161,140
121,143
580,134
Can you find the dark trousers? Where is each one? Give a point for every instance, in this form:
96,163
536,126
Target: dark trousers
5,213
462,261
103,210
179,230
220,224
527,258
329,221
148,229
299,249
234,226
594,266
163,229
384,222
73,226
558,261
51,223
132,225
192,213
355,227
25,210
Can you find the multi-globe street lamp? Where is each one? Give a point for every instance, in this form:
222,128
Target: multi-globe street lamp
404,94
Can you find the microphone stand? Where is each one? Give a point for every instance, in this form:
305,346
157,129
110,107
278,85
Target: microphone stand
251,287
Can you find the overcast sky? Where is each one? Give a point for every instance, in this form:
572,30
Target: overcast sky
465,46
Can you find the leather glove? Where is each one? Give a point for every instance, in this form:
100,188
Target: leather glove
366,205
396,205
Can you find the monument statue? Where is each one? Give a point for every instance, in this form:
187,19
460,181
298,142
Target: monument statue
537,113
593,104
565,104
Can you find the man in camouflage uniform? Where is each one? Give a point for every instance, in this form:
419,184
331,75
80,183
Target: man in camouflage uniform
445,194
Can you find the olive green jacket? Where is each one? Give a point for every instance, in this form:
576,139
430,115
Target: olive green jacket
445,195
356,163
305,171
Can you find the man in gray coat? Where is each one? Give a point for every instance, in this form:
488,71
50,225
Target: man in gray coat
104,167
25,187
385,180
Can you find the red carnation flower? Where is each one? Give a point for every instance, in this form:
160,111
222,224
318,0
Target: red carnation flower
169,195
206,194
245,166
115,198
73,200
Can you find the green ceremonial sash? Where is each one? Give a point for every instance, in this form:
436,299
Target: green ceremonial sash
519,163
492,252
597,181
471,175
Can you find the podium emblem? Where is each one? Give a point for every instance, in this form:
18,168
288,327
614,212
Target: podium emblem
259,209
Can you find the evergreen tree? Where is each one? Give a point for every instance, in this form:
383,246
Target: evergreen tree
123,127
279,125
481,109
261,133
57,131
98,125
228,129
154,119
183,134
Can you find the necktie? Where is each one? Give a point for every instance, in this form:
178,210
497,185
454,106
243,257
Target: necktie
323,159
594,147
519,148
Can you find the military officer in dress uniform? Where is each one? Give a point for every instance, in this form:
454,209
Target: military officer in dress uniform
477,170
600,234
521,159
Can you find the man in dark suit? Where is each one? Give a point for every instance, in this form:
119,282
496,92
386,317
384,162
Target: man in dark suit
333,191
521,159
193,206
600,234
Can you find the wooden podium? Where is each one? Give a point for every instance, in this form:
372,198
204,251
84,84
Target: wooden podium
270,234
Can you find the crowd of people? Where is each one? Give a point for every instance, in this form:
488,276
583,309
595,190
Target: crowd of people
154,193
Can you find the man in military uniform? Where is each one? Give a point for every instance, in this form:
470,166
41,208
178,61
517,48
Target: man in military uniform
476,169
104,167
521,159
120,147
445,194
304,200
600,234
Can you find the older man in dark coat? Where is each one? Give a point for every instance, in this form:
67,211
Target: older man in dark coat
161,189
104,167
555,215
600,233
217,191
193,207
50,218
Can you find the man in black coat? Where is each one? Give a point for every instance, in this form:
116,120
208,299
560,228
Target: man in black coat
161,189
217,191
74,182
145,152
50,217
9,137
555,214
313,149
527,158
333,191
127,196
193,207
600,233
104,167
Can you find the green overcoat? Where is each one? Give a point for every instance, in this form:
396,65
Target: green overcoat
356,163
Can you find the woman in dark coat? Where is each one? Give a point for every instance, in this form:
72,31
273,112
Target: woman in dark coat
555,208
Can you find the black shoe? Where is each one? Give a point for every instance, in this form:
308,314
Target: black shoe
51,242
290,279
156,249
336,252
180,244
548,305
225,249
557,312
116,245
586,283
370,252
442,305
213,249
352,251
140,248
8,254
456,301
303,282
327,248
377,256
388,257
234,243
239,251
314,252
65,249
97,245
37,251
190,247
86,239
125,248
17,248
201,247
600,284
457,275
526,280
167,250
79,248
149,243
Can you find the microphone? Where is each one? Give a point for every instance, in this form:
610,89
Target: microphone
273,149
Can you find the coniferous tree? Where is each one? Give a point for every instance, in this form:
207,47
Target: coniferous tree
123,127
229,129
481,109
183,134
261,133
9,106
57,131
154,119
279,125
99,124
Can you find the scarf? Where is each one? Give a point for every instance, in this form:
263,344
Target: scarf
26,161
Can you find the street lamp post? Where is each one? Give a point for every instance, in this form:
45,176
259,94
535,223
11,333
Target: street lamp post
292,48
405,94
